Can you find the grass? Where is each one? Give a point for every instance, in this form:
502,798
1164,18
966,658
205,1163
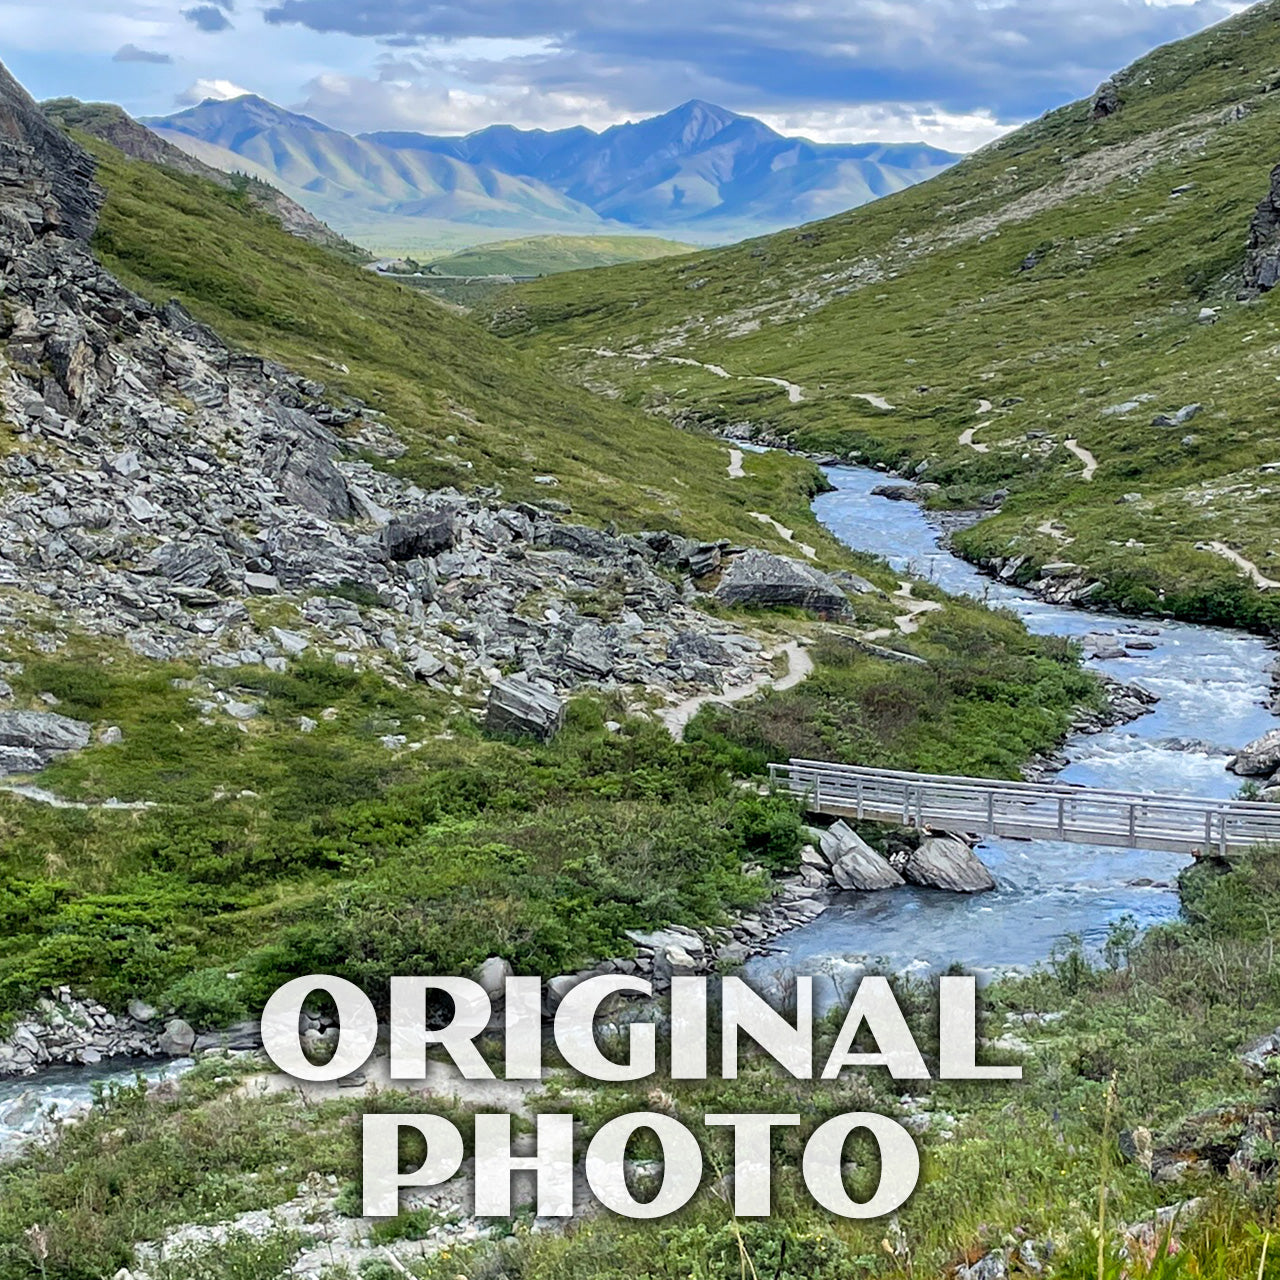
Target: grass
1054,274
547,255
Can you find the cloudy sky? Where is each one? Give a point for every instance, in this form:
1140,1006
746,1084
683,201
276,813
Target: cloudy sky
950,72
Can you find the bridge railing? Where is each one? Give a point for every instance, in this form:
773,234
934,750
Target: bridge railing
1046,811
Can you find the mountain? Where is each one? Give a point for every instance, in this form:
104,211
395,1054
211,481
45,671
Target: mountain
698,165
352,182
112,125
698,169
1070,327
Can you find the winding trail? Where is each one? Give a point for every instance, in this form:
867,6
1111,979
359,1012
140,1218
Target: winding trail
1090,462
875,401
40,796
1052,529
1260,579
907,623
966,439
735,464
787,535
799,668
795,393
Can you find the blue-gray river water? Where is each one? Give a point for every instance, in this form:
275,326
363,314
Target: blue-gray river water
1213,686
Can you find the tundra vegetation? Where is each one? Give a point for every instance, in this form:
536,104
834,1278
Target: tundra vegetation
263,852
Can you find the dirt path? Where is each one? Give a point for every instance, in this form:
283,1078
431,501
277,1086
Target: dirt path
1260,579
40,796
907,623
875,401
735,464
966,438
783,532
1090,462
1052,529
800,667
794,393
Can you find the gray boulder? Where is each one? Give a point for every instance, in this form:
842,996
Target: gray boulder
518,706
946,862
761,578
192,564
425,534
1261,1053
493,975
855,865
1260,758
42,731
178,1038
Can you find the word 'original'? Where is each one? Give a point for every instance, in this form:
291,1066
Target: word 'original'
873,1034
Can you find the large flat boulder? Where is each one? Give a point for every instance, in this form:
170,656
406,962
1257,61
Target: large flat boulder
1260,759
42,731
520,707
855,865
946,862
761,578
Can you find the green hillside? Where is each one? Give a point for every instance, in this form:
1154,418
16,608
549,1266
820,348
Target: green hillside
471,409
547,255
1059,277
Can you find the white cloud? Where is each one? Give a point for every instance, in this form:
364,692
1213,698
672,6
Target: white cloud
890,122
218,90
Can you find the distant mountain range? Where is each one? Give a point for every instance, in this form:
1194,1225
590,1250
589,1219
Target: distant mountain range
698,170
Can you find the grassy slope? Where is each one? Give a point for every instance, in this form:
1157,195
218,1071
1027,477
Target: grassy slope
471,409
921,298
547,255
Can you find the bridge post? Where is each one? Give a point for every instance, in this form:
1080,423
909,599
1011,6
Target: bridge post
1133,825
991,813
1062,818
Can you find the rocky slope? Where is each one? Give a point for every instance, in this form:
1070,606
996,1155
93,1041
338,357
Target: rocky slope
154,480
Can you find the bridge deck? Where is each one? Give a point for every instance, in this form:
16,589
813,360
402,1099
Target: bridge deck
1031,811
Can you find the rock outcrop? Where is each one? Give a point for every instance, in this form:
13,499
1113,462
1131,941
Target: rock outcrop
1106,101
42,171
761,578
946,862
1262,255
1260,759
855,865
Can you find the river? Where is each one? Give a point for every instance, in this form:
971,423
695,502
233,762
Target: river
1213,686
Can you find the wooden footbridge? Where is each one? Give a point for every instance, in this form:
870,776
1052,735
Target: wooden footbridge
1031,811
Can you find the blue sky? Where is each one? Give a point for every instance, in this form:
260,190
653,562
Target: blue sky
950,72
